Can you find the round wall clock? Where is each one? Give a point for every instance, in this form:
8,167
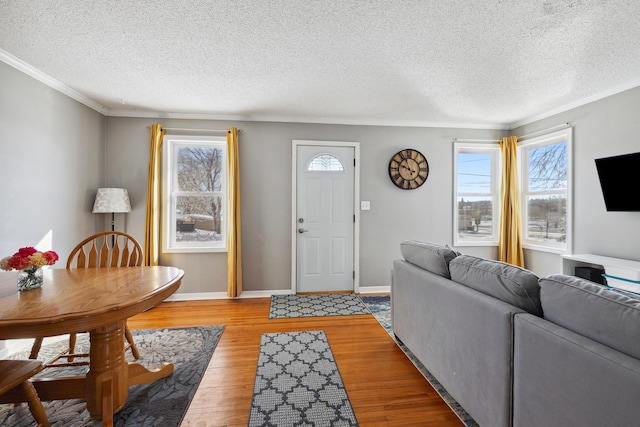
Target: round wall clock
408,169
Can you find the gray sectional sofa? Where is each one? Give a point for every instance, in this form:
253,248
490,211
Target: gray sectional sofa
514,349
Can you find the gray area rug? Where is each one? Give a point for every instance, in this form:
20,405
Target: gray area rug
381,308
298,383
287,306
162,403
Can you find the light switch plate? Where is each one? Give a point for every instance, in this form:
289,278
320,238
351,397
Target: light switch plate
365,205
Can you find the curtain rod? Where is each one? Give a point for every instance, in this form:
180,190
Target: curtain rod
475,140
196,130
529,135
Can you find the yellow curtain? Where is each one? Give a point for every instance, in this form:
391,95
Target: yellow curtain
234,256
152,221
510,242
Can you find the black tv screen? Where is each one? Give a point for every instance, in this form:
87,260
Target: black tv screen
619,178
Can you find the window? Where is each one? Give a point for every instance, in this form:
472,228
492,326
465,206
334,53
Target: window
545,184
325,163
476,201
195,194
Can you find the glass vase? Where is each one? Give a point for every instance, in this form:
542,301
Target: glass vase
29,278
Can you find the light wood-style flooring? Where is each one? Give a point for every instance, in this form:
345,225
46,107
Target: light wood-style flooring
384,387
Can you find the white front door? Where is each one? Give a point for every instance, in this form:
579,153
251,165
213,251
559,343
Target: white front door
325,218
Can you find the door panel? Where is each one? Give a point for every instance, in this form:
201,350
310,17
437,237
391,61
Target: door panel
338,254
312,256
325,215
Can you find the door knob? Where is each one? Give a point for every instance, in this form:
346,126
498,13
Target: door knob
302,230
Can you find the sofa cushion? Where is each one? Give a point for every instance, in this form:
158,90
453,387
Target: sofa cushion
431,257
604,315
511,284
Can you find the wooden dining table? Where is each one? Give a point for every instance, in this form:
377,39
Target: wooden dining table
94,300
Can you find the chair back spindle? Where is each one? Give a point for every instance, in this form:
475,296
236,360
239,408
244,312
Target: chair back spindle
107,249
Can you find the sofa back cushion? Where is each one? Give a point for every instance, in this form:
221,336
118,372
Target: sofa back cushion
513,285
431,257
594,311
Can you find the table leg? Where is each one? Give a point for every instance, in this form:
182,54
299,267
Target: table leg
107,379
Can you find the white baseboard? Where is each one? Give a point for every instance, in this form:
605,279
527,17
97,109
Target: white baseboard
223,295
261,294
374,289
13,346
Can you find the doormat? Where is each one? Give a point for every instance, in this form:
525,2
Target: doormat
161,403
287,306
298,383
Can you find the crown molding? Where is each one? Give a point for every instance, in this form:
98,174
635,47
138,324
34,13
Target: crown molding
30,70
148,114
310,120
584,101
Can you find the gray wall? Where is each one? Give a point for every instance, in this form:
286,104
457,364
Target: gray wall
265,176
51,162
603,128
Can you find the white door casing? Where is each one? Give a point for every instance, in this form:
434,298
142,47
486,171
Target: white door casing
325,218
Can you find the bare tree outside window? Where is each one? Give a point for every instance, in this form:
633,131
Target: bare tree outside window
548,167
197,194
199,174
546,193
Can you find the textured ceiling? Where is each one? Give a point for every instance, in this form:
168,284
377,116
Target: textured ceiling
490,63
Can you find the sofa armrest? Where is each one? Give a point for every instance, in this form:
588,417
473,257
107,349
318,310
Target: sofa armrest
564,379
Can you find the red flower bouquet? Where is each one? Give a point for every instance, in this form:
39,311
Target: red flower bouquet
29,261
28,257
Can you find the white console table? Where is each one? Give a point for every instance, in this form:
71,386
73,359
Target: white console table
620,273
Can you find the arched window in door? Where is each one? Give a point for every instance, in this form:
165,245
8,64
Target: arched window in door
325,163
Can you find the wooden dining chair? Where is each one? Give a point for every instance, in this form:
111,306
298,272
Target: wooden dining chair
15,386
109,249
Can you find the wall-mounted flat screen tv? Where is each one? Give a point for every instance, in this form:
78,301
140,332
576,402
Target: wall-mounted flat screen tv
619,179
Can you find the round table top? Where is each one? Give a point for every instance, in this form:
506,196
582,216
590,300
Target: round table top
81,300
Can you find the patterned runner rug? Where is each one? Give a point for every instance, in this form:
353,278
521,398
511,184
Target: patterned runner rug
162,403
298,383
287,306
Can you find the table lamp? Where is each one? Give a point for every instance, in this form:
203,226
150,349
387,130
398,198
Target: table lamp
112,200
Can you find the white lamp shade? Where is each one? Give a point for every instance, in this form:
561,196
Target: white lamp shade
110,200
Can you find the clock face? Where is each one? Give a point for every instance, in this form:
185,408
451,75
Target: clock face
408,169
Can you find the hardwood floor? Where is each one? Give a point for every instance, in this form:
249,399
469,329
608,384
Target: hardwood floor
384,387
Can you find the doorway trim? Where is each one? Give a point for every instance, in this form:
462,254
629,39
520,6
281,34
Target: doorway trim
294,202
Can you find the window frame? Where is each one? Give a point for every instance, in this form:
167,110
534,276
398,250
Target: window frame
564,135
492,149
171,143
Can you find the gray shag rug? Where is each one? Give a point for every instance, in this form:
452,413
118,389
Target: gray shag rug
288,306
161,403
298,383
381,308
